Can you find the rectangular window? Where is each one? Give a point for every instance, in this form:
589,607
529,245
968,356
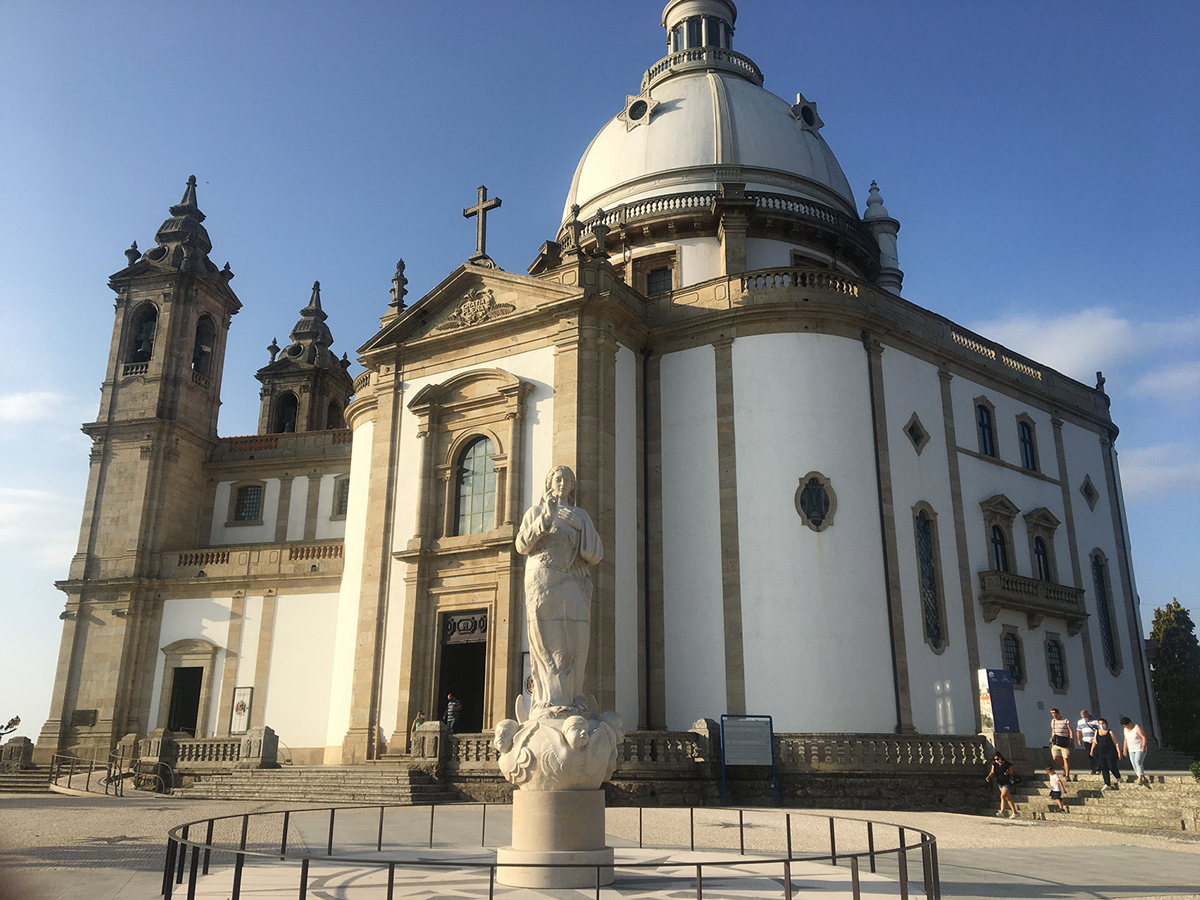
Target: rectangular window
248,507
1011,646
658,281
1108,640
341,497
987,441
1055,664
1028,448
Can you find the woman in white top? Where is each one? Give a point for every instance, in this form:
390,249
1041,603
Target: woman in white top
1135,748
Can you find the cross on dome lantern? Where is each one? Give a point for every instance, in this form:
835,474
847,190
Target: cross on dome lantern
479,211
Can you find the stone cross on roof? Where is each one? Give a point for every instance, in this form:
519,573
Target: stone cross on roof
480,210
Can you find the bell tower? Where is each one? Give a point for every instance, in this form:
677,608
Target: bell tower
156,426
305,387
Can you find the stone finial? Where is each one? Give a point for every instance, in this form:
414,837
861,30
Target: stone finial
574,227
1100,379
314,302
273,349
399,289
875,207
133,254
885,228
227,273
600,233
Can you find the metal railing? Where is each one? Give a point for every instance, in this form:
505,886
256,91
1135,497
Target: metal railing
111,774
229,836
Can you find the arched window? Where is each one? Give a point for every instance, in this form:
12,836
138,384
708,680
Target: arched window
285,413
333,416
1028,447
475,495
999,550
927,563
1041,560
987,437
202,350
1010,645
1108,639
141,348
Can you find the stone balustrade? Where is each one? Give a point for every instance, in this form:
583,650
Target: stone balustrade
878,752
257,559
305,444
1037,599
702,58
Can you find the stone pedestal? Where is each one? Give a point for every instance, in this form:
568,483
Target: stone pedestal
548,827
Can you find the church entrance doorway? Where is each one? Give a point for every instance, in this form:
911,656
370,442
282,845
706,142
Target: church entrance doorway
464,667
185,699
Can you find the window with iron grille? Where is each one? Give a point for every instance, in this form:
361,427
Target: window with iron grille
1108,640
929,593
658,281
248,506
1010,644
1056,664
341,497
475,498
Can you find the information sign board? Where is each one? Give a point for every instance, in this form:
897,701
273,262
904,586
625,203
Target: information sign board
747,742
997,703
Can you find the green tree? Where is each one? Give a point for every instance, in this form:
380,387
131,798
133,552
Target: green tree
1176,676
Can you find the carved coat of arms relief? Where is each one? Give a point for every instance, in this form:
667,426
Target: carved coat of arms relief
479,305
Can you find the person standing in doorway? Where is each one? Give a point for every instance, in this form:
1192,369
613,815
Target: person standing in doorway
1134,747
453,711
1107,754
1085,734
1062,736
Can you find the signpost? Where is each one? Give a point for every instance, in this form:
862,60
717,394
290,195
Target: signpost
748,741
998,705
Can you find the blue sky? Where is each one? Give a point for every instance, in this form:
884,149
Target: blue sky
1041,158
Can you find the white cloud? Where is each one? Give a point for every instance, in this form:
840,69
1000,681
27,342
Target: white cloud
1172,383
31,406
1148,473
39,526
1081,343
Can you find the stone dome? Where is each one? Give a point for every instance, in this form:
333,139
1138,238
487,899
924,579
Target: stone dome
702,118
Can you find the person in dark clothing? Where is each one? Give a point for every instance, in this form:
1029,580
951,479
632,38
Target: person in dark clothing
453,711
1002,772
1107,754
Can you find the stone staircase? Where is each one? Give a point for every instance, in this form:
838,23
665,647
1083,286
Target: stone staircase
322,784
26,781
1171,803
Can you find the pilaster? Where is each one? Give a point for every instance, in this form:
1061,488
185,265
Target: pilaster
731,566
965,582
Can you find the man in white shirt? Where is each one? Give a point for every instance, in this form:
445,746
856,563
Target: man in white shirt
1085,734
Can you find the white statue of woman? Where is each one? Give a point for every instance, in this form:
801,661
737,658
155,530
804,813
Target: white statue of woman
561,542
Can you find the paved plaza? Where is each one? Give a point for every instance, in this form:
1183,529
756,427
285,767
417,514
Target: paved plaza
61,848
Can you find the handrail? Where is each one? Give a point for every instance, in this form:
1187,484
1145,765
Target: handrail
179,840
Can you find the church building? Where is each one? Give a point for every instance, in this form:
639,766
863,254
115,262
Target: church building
818,500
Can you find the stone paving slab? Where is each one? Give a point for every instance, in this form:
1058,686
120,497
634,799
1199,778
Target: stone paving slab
60,848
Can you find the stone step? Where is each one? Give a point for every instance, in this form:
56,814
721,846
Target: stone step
336,784
1165,821
25,781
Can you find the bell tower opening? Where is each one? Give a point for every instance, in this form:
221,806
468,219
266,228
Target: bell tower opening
202,350
285,413
145,323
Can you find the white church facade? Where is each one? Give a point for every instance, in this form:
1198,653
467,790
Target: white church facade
818,500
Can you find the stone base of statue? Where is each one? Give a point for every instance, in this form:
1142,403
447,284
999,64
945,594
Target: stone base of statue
557,840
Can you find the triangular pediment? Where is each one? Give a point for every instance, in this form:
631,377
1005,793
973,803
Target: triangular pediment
471,297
